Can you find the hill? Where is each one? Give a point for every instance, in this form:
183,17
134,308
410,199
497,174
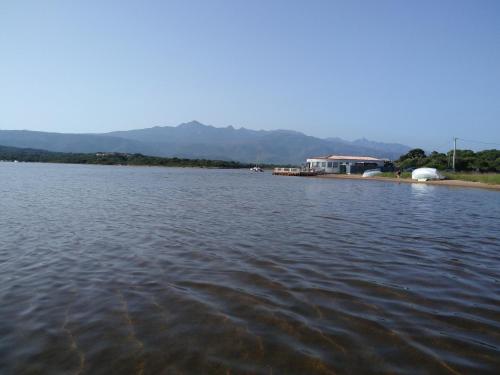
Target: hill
8,153
196,140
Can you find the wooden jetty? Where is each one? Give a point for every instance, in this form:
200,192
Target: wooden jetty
296,172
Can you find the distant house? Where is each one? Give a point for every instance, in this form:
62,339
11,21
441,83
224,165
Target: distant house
344,164
103,154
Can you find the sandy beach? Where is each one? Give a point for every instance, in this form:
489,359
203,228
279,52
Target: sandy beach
455,183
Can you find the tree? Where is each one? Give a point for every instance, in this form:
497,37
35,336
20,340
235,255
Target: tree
437,160
412,159
416,153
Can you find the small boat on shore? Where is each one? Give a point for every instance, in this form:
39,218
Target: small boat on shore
424,174
371,172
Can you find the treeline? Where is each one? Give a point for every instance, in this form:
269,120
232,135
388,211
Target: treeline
112,158
466,160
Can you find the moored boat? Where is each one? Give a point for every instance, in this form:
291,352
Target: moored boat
371,172
424,174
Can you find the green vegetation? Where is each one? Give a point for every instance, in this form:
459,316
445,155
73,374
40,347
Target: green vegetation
487,178
466,160
112,158
482,166
393,174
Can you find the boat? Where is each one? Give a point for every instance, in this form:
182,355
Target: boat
424,174
256,169
371,172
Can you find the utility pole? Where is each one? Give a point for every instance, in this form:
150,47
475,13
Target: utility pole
454,152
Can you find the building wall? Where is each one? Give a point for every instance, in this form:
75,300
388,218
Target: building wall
329,166
334,166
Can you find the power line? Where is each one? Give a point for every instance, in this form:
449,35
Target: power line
444,145
484,143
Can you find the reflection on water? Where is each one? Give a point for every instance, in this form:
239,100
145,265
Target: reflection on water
150,270
422,189
423,201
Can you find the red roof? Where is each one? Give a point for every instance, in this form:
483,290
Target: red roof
345,157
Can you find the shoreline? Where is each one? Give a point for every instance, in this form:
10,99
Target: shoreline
452,183
122,165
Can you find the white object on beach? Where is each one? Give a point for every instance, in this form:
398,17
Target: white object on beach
371,172
424,174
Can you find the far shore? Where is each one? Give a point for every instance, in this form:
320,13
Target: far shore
455,183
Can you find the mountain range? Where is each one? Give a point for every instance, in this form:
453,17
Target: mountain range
196,140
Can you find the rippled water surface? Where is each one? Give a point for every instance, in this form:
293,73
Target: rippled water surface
185,271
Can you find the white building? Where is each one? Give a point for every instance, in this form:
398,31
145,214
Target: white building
344,164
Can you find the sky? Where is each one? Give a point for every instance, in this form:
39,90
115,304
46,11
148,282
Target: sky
414,72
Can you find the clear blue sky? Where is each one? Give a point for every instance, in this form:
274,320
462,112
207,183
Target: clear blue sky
416,72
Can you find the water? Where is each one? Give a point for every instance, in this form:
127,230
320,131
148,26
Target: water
185,271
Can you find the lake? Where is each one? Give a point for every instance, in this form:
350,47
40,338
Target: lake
137,270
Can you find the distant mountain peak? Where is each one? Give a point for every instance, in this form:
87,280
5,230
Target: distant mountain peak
192,124
196,140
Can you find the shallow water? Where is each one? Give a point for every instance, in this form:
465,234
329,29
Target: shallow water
132,270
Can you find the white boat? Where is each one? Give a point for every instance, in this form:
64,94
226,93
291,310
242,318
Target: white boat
256,169
371,172
424,174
